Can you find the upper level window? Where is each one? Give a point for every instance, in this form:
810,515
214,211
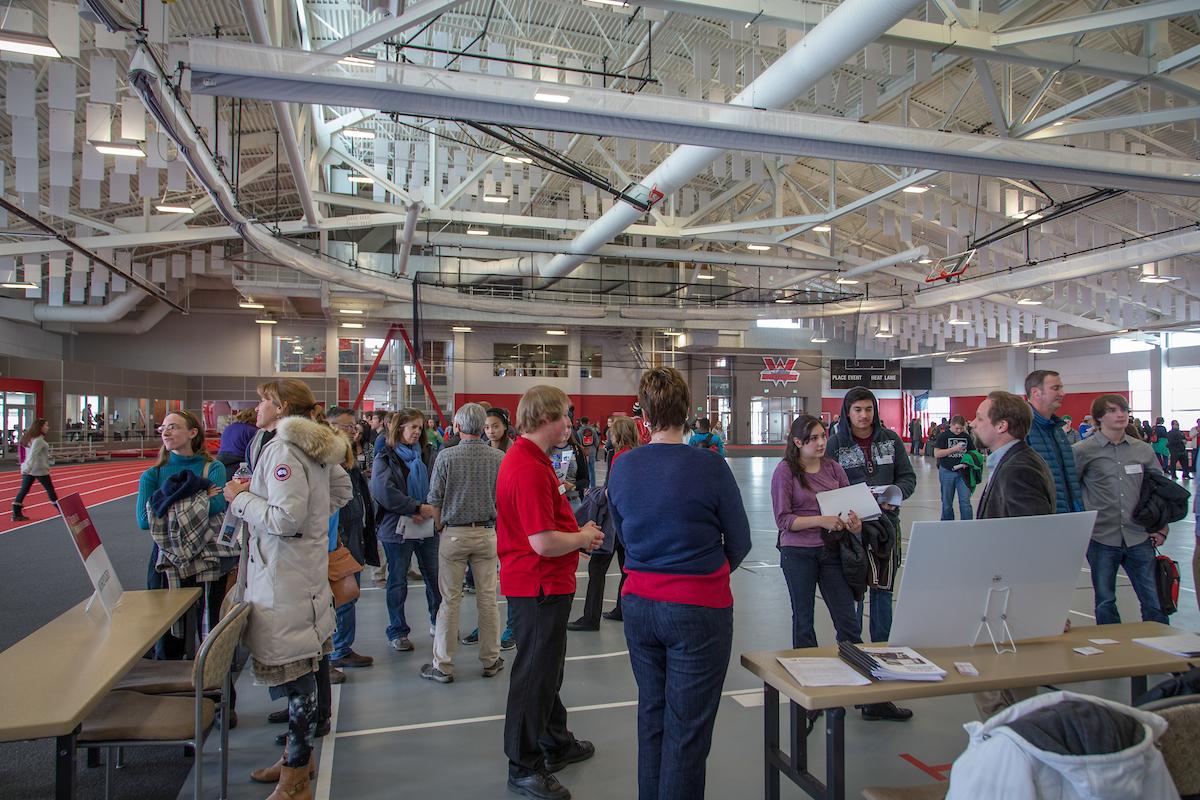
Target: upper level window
529,360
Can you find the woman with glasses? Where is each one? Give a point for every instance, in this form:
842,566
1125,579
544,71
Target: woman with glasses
182,450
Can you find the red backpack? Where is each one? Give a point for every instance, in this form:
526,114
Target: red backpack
589,437
1166,579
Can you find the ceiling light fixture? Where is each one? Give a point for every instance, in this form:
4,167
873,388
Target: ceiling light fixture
517,160
705,273
494,198
118,149
925,261
476,232
1034,217
955,360
357,61
350,311
847,281
357,133
18,285
461,329
249,303
758,247
1028,301
351,325
266,319
165,208
1042,350
957,321
783,300
28,43
818,339
918,189
883,335
556,332
822,228
1153,279
608,2
360,179
551,97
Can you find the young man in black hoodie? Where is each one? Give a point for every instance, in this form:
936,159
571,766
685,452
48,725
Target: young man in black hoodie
874,455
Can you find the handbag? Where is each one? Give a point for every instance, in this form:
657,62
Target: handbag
342,569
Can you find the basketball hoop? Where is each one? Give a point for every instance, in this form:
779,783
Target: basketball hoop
949,267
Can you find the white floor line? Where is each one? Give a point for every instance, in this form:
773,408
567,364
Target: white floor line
325,764
447,723
598,655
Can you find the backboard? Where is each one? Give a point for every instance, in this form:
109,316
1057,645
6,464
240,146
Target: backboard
949,267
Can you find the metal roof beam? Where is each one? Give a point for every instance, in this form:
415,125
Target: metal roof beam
1095,21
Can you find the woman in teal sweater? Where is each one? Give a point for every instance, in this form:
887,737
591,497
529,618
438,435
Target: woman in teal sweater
182,449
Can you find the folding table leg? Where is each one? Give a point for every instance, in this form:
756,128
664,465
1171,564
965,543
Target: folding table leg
835,753
770,741
64,766
1137,687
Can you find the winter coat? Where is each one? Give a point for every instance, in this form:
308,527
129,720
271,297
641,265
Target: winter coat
356,522
389,489
296,484
1046,436
1068,761
37,457
1161,502
889,462
867,558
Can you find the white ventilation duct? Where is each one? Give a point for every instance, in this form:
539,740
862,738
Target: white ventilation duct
110,312
1180,244
148,319
781,311
848,28
887,261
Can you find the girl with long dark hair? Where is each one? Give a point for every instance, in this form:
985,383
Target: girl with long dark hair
35,466
806,561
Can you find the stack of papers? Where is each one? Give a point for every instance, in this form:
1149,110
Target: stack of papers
1185,645
891,663
822,672
856,497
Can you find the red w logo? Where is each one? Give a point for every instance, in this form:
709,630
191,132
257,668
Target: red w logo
779,371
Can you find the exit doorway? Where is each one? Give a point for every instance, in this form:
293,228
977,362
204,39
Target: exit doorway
770,418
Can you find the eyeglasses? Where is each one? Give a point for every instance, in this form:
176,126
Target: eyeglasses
346,426
170,428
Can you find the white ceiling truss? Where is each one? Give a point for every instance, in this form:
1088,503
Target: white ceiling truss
996,109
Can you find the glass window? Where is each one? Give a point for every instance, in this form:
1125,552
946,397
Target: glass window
529,360
1183,339
592,363
300,353
1123,345
1183,395
1139,393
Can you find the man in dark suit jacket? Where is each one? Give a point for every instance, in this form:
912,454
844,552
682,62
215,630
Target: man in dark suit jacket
1019,484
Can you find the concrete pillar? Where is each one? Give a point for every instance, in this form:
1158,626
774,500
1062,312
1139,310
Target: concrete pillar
1016,367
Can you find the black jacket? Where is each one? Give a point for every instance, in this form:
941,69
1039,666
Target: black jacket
356,522
1162,502
867,559
888,461
1020,486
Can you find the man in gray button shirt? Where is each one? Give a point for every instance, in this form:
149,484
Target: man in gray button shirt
1111,465
462,491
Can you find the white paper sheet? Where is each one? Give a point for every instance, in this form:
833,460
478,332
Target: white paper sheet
823,672
856,497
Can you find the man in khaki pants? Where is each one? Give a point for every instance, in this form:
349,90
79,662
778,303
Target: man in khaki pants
462,491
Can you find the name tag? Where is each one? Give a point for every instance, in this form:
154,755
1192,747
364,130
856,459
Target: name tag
1133,469
884,458
562,488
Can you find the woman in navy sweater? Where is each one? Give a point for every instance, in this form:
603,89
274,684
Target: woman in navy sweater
679,513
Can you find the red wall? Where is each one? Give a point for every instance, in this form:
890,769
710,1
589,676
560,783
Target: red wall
596,407
964,406
1074,405
28,387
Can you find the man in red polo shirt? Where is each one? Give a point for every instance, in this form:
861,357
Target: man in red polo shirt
538,542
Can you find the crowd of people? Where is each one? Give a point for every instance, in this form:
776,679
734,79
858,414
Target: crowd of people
497,503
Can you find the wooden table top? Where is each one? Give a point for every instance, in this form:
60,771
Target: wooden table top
52,679
1037,661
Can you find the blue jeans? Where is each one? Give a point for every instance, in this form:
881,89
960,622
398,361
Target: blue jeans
343,634
804,568
952,482
1138,562
679,655
396,593
881,615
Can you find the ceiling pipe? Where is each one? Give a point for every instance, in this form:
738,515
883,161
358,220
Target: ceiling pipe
257,23
406,238
1081,266
848,28
110,312
887,261
788,311
148,319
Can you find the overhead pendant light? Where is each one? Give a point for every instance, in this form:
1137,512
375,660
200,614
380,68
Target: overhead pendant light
955,360
167,208
18,285
784,300
925,261
556,332
461,329
847,281
266,319
517,160
357,311
248,302
883,334
363,179
351,325
118,149
1028,301
551,97
822,228
915,189
357,61
476,232
758,247
705,273
818,339
1040,351
357,133
28,44
954,318
494,198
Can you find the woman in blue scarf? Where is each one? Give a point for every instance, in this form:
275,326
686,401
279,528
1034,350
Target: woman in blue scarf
400,486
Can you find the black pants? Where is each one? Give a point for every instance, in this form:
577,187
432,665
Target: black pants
1179,457
27,483
593,604
620,548
535,723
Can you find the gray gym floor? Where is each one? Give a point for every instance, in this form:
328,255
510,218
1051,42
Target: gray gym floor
398,735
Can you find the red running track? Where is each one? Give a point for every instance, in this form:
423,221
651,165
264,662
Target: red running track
97,483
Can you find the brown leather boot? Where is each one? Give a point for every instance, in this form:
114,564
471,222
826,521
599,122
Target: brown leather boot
294,784
271,774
